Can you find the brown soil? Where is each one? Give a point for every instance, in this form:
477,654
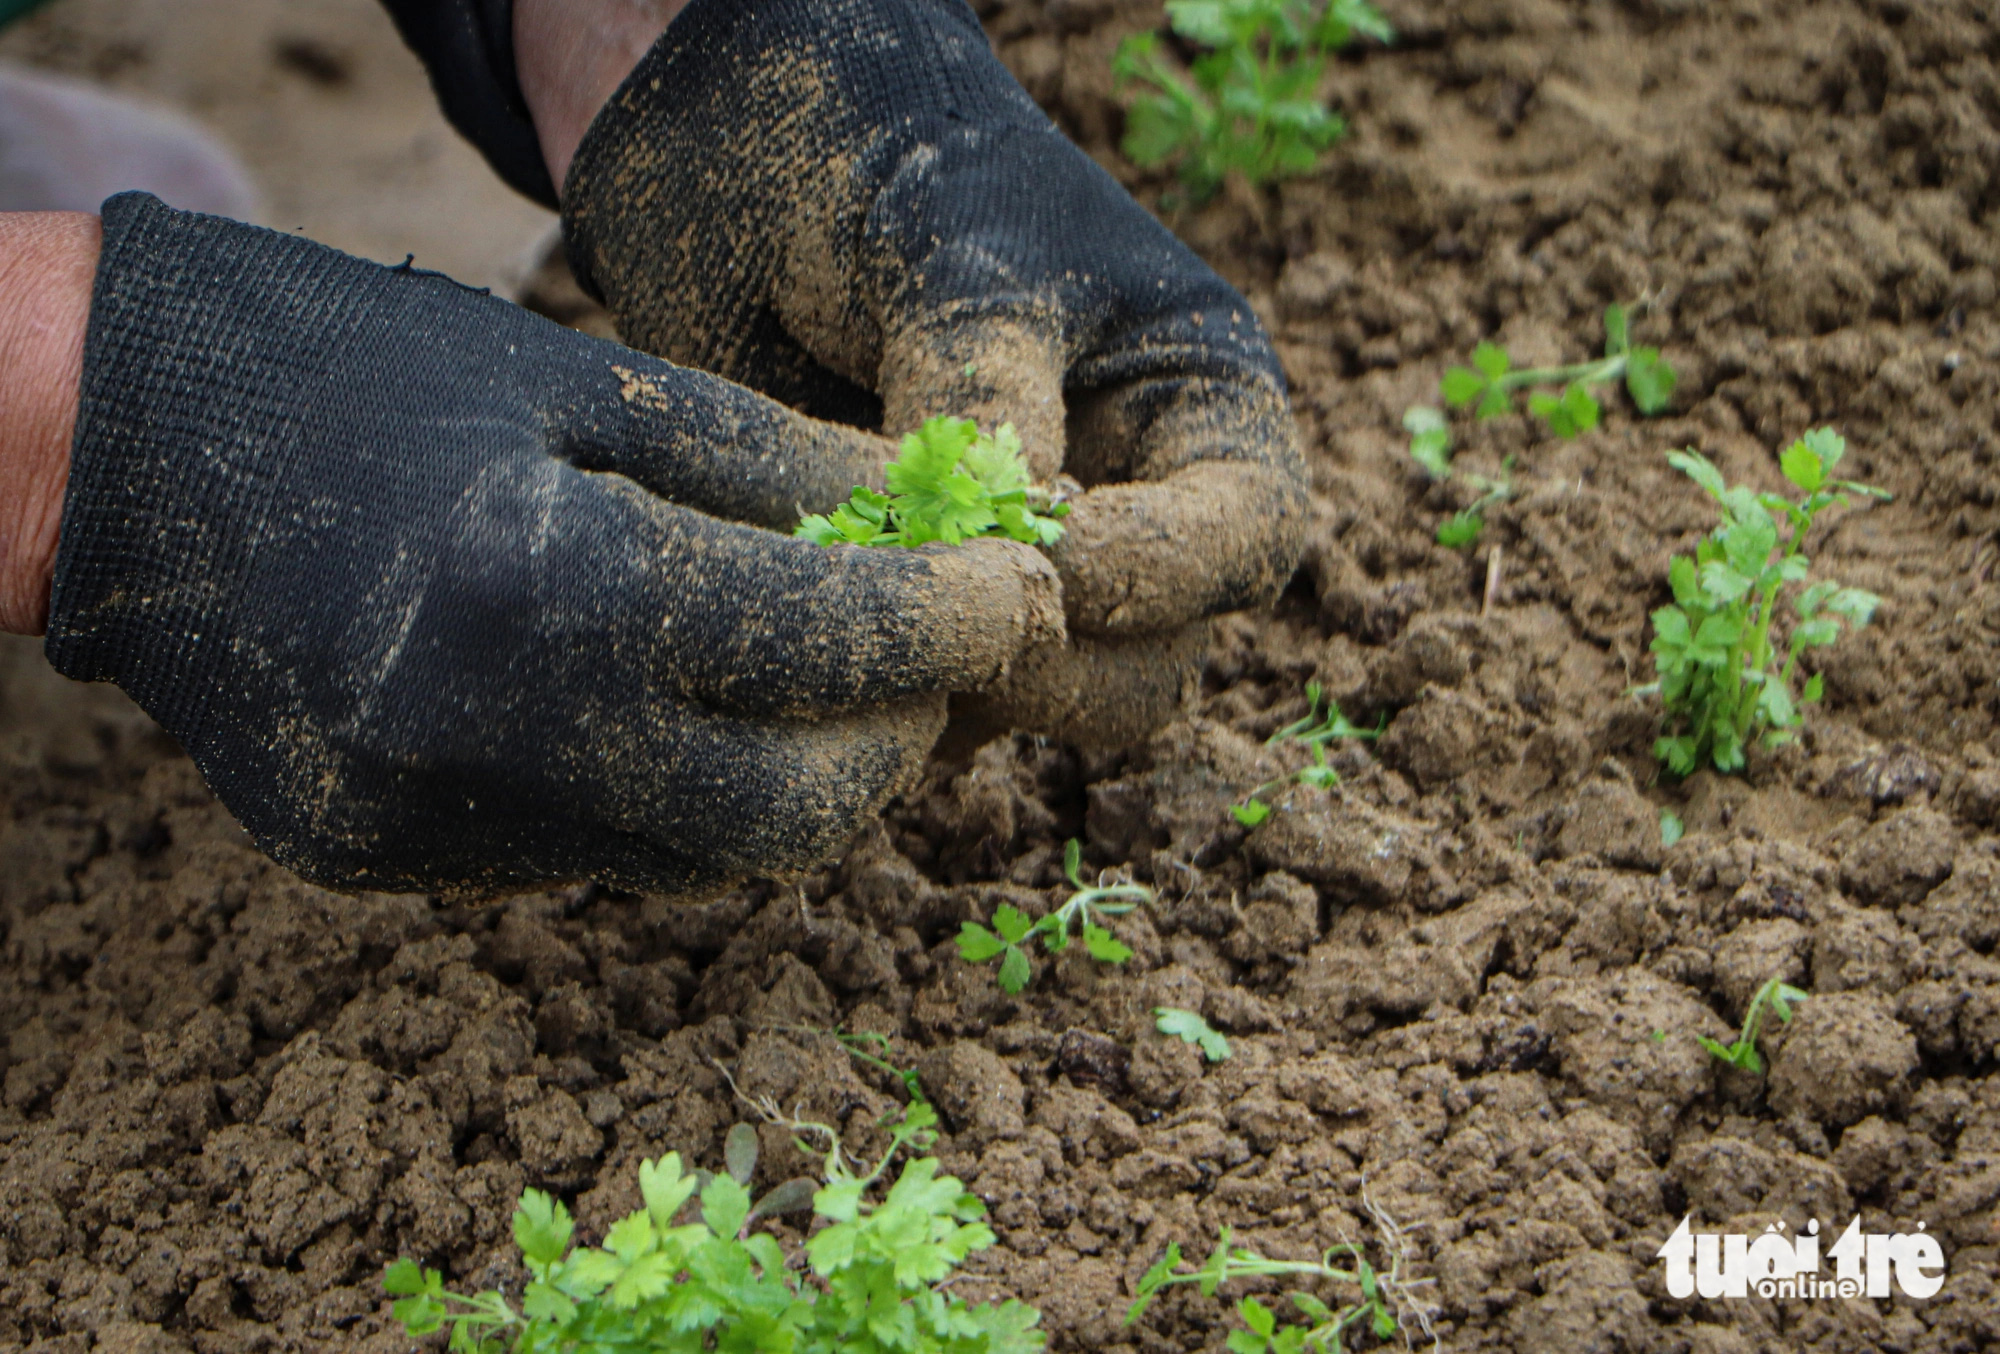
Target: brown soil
229,1097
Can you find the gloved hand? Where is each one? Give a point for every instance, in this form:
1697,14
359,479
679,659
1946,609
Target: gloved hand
833,200
853,207
425,585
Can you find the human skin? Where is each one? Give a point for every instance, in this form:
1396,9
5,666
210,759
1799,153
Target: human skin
47,263
571,56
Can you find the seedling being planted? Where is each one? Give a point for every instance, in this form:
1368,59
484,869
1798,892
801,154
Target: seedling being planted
1190,1028
1385,1304
1724,679
1565,403
1777,997
874,1278
1321,725
1253,107
949,482
1012,929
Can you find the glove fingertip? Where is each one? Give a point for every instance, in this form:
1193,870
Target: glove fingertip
998,598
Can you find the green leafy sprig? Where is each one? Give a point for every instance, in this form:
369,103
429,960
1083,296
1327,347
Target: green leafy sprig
1012,929
1777,997
949,482
1571,410
1386,1303
1323,723
875,1277
1721,682
1253,107
1190,1028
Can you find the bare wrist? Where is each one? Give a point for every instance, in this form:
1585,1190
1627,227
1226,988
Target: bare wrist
571,56
47,263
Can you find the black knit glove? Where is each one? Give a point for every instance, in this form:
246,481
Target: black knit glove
852,206
424,583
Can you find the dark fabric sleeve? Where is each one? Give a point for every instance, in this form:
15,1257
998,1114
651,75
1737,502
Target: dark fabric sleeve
468,47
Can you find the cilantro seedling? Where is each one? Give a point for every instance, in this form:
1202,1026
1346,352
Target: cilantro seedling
1078,914
1253,107
1462,528
857,1046
1721,683
873,1279
1775,996
1386,1302
1323,723
949,482
1190,1028
1568,408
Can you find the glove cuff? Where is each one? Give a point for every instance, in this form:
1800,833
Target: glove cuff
468,48
182,409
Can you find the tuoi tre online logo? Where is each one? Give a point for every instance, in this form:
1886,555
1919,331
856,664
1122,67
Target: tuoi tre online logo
1774,1265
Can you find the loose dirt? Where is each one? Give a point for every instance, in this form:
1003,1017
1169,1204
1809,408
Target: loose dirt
1467,982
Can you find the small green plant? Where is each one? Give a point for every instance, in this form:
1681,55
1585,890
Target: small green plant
1721,683
1012,929
857,1046
949,482
1190,1028
1322,724
1778,998
1254,106
1571,410
874,1279
1386,1301
1462,528
1672,829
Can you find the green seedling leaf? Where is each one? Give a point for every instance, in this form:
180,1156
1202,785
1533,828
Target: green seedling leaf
739,1153
1251,813
1802,466
1189,1027
793,1196
1460,529
665,1189
404,1278
950,482
1828,445
1491,360
1649,380
1103,946
1430,439
542,1227
1012,923
1461,386
1571,414
1015,971
1671,827
976,944
1617,331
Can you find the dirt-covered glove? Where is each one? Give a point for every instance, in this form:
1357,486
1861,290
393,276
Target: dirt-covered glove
852,206
429,589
